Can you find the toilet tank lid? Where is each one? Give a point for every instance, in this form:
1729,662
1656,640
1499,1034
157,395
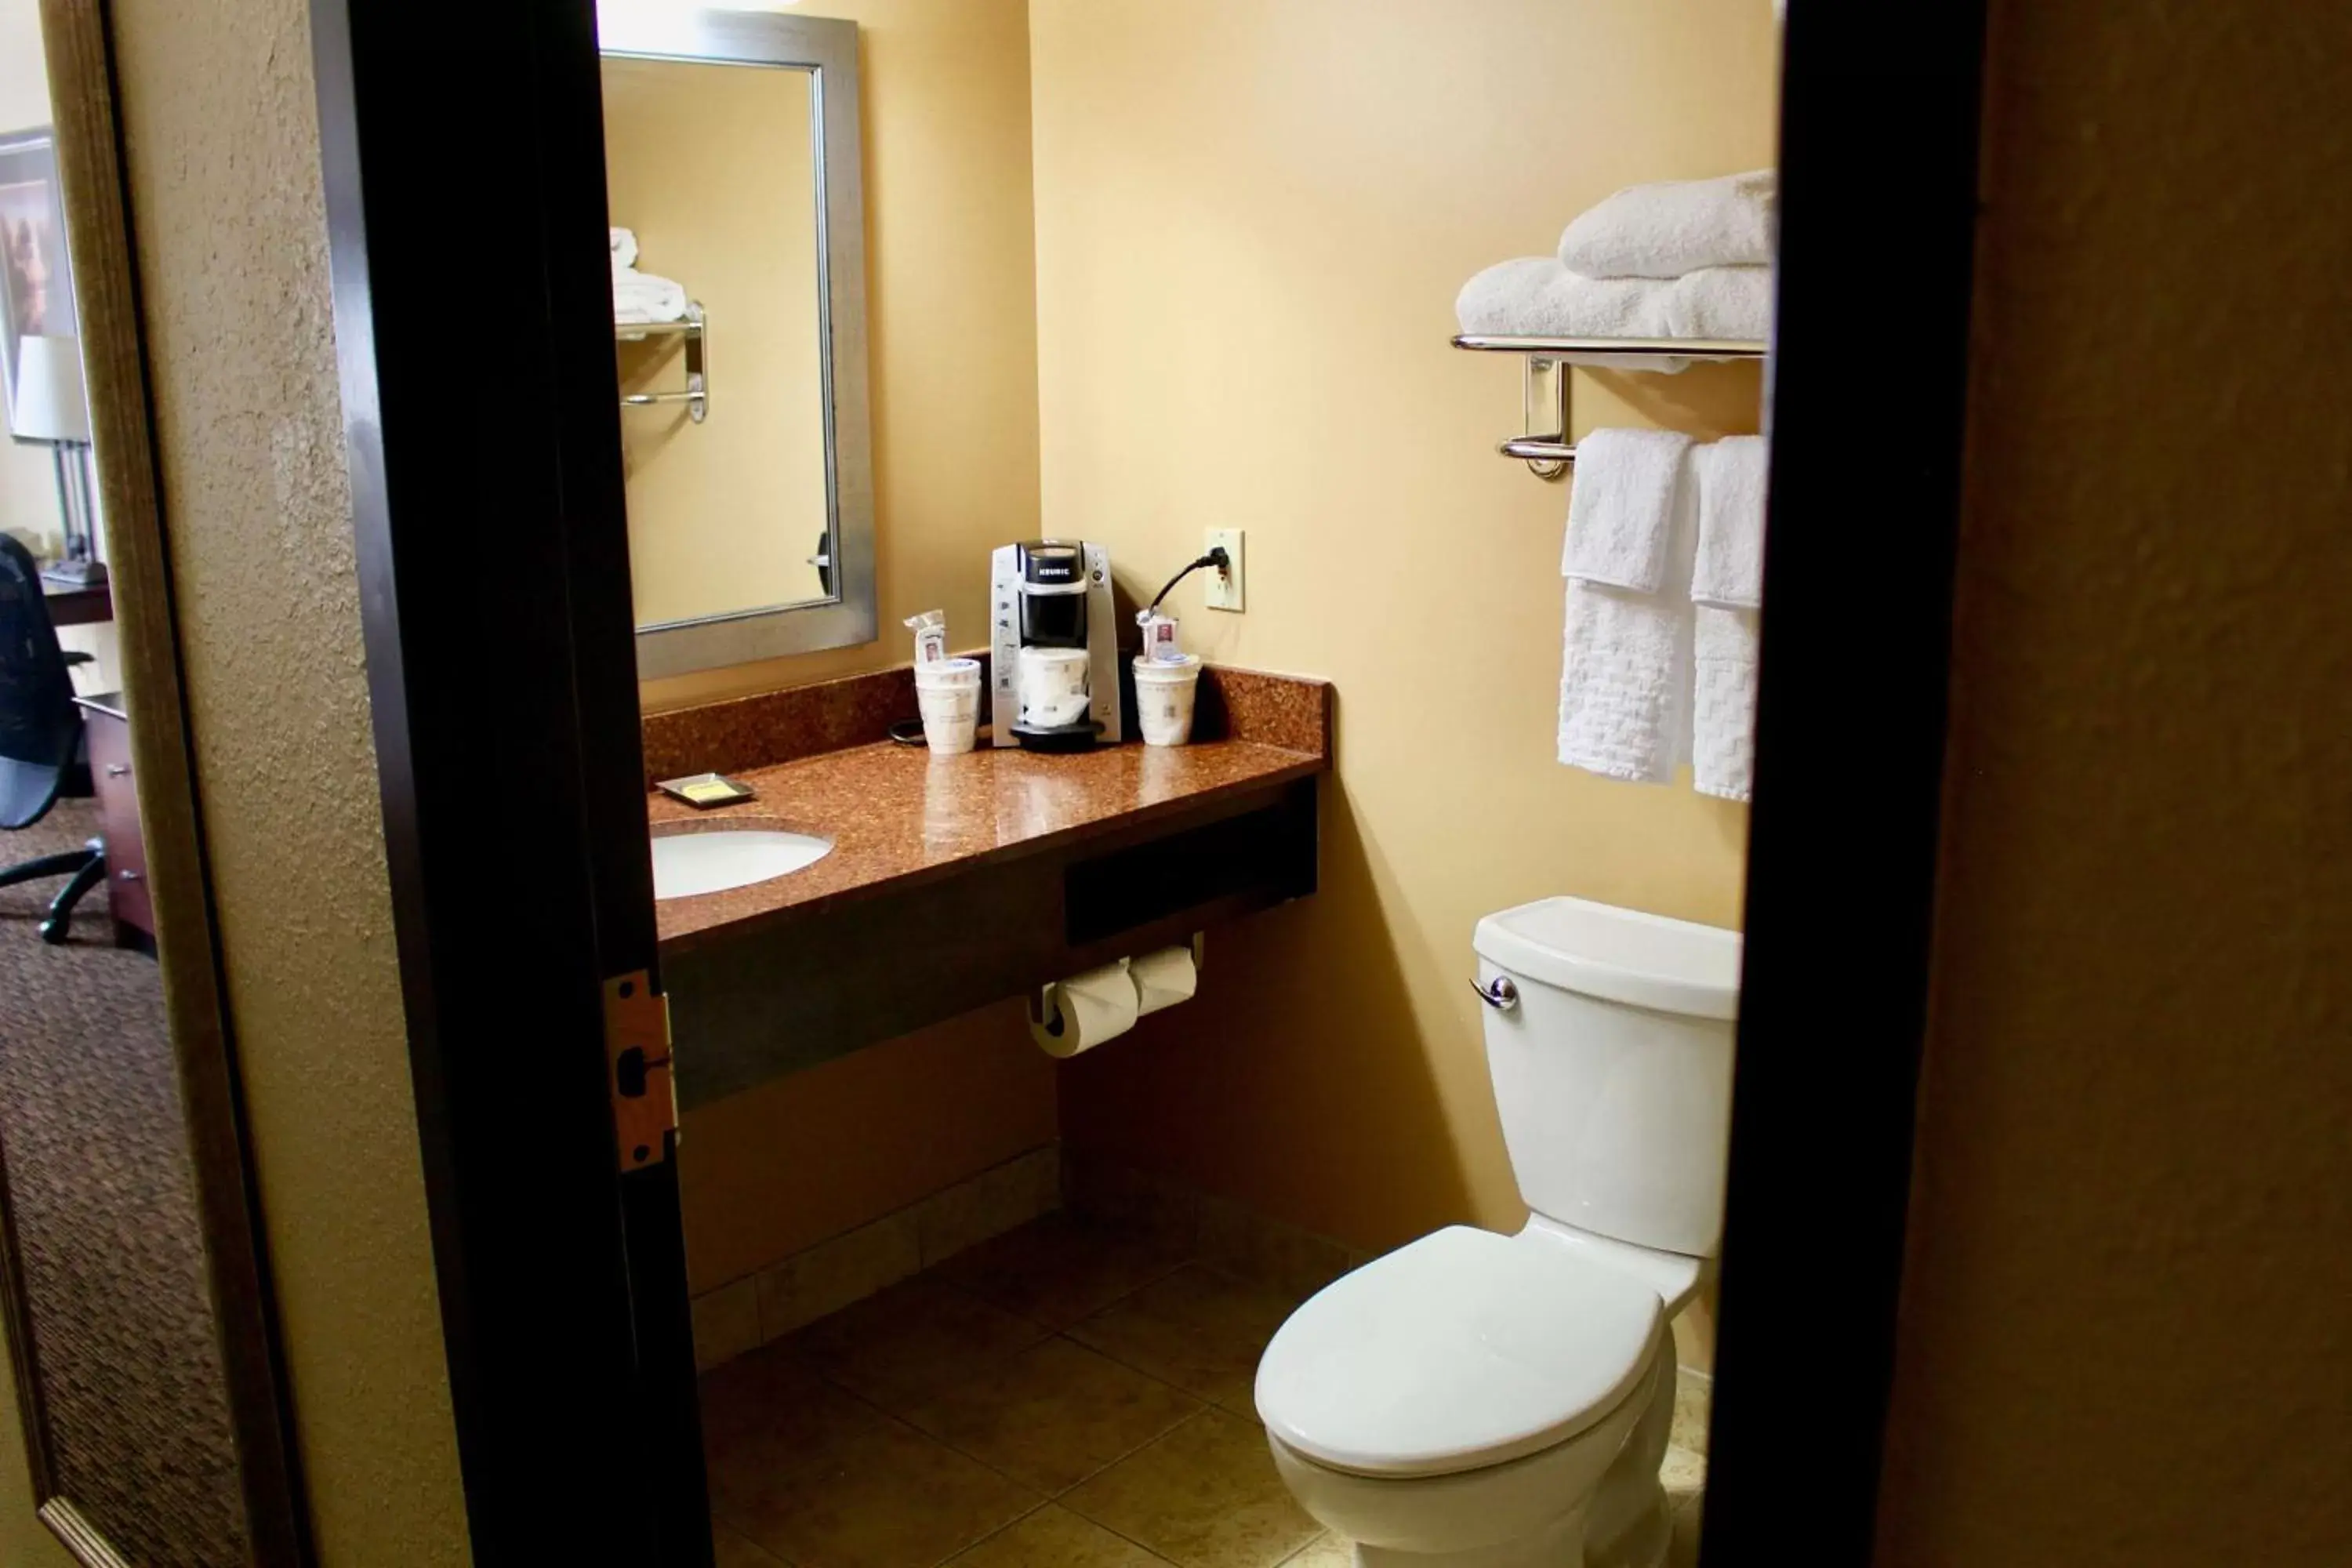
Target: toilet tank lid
1618,955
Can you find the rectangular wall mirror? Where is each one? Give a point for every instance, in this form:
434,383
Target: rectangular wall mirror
734,182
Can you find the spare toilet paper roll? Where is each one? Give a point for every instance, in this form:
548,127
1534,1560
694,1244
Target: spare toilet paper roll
1085,1010
1163,978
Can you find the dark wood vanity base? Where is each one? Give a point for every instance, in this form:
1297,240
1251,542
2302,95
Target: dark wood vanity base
956,881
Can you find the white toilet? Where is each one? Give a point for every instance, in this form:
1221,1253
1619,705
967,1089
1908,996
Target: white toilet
1492,1400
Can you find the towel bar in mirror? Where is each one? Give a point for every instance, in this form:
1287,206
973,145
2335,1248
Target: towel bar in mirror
1543,394
693,331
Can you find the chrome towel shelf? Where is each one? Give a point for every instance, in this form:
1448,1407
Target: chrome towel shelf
1546,447
693,330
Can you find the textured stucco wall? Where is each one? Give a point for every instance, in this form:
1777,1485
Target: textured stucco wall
2124,1323
221,129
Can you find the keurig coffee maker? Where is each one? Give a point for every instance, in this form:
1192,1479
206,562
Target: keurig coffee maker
1055,676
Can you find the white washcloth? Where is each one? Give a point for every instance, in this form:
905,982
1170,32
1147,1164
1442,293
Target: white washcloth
1625,669
1723,702
1719,302
1666,229
1620,515
641,297
625,248
1535,297
1729,568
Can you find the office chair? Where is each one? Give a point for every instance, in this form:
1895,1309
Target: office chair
42,757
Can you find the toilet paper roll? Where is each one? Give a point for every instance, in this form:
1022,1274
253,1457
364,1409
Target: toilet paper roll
1082,1011
1163,978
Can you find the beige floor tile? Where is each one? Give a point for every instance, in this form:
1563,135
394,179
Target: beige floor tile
913,1342
1326,1550
735,1551
1693,1398
1683,1475
1204,1496
726,1323
1054,1415
771,1398
832,1274
1063,1266
887,1496
973,1211
1056,1538
1198,1329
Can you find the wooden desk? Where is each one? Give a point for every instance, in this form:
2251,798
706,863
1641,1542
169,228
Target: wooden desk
107,727
71,606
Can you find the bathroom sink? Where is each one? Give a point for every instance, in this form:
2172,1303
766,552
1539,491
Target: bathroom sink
691,858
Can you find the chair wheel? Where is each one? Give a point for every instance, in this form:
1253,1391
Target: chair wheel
56,931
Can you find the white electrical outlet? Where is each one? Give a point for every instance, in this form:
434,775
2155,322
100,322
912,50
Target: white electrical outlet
1224,591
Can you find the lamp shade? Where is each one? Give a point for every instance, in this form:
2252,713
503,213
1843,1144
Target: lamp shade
50,404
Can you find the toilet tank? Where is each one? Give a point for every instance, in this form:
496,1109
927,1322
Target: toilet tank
1612,1067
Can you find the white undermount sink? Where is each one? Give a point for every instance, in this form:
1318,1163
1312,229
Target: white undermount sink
713,857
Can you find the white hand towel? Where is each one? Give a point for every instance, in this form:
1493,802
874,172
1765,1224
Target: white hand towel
1620,515
1625,669
1666,229
1730,474
1721,302
1723,702
625,248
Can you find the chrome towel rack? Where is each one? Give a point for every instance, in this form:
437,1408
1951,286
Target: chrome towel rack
1543,394
692,329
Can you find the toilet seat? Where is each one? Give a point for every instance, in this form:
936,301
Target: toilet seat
1463,1350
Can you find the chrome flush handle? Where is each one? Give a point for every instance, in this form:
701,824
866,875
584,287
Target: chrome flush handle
1498,993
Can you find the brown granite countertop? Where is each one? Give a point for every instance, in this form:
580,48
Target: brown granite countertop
896,813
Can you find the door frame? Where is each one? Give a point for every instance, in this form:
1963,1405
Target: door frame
1879,152
505,711
483,436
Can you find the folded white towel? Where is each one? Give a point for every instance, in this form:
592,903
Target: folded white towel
1719,302
1620,516
625,248
1535,296
1723,702
1730,474
641,297
1625,669
1666,229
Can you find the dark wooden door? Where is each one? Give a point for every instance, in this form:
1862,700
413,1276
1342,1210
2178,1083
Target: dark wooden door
484,439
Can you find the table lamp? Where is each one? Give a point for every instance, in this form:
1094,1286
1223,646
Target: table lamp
50,405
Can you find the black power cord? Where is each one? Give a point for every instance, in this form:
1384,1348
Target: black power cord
1217,558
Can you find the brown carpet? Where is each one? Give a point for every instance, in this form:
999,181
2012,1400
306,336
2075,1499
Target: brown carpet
108,1247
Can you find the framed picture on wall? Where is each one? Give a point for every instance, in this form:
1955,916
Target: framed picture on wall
35,284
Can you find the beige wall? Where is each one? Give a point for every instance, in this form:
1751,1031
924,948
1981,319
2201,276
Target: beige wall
2122,1337
952,307
1252,218
222,140
713,168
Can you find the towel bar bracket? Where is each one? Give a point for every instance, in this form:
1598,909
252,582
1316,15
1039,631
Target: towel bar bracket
1544,398
1543,414
693,336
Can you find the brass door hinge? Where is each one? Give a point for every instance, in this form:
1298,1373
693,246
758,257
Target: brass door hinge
637,1059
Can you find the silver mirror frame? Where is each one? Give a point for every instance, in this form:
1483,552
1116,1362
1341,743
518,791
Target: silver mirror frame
828,50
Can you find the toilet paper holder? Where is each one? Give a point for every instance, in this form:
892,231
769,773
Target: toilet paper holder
1044,1015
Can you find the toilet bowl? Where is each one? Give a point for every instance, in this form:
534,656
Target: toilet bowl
1475,1400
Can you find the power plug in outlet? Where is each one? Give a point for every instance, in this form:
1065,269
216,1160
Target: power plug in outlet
1223,589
